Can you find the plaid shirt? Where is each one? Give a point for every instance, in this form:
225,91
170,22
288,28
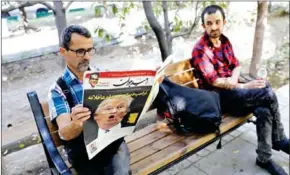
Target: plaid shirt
211,63
57,100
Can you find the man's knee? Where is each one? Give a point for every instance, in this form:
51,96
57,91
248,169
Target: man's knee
269,94
262,111
263,115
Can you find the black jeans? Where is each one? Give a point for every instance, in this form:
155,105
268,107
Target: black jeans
264,105
112,161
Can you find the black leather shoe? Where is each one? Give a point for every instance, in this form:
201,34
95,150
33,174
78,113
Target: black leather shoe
283,145
271,167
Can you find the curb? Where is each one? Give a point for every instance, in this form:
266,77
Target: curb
20,144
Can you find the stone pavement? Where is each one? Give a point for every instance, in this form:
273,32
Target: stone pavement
237,155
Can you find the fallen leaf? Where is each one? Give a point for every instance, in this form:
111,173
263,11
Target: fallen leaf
5,152
237,151
21,145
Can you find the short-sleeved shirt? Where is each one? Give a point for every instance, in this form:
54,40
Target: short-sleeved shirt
57,100
211,63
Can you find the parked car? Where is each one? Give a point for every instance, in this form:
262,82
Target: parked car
37,10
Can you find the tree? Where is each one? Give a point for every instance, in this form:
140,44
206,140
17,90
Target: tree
9,6
171,29
59,12
262,11
165,37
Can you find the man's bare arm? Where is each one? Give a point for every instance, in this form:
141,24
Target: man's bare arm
71,125
68,130
236,73
221,83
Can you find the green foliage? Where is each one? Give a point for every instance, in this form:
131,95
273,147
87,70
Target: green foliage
115,10
98,11
131,5
103,34
157,8
100,32
146,25
177,24
223,4
108,37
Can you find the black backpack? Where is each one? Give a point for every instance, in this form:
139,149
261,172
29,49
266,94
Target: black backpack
190,110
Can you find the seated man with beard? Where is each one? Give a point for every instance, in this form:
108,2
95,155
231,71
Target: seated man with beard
218,69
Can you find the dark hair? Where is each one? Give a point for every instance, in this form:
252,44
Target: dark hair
68,31
212,9
93,74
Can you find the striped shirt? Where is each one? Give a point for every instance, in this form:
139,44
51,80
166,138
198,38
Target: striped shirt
57,101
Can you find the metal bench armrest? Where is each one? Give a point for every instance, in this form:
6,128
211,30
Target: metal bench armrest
53,157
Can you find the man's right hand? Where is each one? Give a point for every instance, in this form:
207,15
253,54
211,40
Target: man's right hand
80,114
255,84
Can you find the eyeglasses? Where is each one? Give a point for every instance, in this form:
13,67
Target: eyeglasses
82,52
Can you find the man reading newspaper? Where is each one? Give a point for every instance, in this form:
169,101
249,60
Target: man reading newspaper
77,49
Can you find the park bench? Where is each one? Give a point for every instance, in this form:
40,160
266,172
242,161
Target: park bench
151,150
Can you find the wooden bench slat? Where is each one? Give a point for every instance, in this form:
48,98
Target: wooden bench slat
154,147
155,161
184,145
230,122
146,140
140,133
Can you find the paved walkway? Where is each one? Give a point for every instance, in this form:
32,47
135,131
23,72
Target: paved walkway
236,157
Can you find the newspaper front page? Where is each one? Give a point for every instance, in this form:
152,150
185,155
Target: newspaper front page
116,100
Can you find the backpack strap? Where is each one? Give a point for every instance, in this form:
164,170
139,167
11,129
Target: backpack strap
66,91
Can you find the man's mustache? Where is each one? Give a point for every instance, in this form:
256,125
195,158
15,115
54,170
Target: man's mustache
214,31
84,62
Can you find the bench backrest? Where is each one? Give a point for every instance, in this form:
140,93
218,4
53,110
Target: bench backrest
53,129
181,73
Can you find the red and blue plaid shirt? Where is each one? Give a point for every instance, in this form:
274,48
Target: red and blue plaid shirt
211,63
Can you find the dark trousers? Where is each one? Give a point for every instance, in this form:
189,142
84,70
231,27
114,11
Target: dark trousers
117,164
264,105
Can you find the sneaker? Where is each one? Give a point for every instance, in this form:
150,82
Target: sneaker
271,167
283,145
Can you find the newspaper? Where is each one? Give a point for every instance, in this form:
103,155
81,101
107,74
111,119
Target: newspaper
117,100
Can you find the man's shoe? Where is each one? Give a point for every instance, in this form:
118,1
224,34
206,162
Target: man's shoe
271,167
282,145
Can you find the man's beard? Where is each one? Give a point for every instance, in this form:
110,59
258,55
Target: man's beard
215,34
83,66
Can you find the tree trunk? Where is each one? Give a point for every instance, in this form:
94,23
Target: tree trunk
269,7
60,21
24,19
166,26
261,22
157,29
60,17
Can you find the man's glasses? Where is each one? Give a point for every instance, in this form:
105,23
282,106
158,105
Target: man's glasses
82,52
